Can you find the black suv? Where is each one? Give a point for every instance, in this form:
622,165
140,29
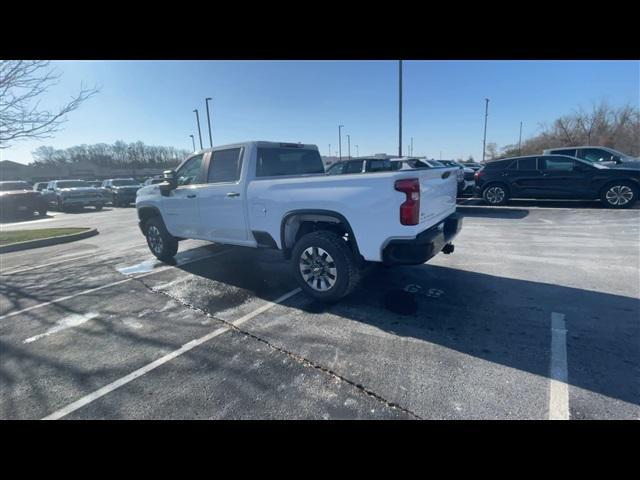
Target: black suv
557,176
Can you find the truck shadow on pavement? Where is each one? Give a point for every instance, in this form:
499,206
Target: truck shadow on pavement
497,319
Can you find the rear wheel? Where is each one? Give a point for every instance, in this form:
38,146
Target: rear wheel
495,194
161,243
620,194
324,266
99,206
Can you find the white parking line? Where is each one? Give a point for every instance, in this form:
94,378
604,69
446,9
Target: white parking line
558,387
72,407
26,269
113,284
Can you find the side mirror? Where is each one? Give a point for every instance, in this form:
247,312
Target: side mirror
170,182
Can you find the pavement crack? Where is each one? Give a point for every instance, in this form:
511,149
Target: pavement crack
295,356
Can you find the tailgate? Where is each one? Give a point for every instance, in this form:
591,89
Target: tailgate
438,192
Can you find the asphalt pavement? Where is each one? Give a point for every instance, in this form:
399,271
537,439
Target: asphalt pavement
535,315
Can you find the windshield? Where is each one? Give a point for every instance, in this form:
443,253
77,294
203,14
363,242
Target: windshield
6,186
72,184
122,183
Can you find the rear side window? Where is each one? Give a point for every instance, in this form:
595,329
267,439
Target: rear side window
273,162
225,166
571,152
528,164
379,166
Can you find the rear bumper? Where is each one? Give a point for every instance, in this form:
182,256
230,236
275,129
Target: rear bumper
425,246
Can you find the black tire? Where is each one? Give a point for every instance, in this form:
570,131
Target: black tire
161,243
347,274
115,202
42,211
61,207
495,194
621,191
99,207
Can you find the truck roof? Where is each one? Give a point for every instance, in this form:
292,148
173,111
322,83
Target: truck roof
259,143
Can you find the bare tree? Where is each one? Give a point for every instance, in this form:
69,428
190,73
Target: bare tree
22,86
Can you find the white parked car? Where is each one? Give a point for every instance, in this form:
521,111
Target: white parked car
276,195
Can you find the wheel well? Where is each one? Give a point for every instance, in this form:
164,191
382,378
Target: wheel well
620,180
295,226
145,213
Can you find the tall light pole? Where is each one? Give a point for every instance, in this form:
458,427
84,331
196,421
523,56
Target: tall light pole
329,149
486,114
520,141
411,146
198,122
357,151
349,146
194,142
340,141
400,108
206,101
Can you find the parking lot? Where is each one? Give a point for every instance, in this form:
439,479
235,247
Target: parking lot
535,316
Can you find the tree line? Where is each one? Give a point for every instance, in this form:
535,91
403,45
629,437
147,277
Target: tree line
601,125
117,155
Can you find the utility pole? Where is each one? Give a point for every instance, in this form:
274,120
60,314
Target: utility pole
329,149
400,108
357,151
411,146
340,141
520,141
349,146
194,142
198,122
484,142
206,101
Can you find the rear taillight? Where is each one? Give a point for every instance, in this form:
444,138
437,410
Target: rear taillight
476,175
410,209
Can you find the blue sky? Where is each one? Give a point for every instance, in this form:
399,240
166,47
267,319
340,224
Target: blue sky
305,101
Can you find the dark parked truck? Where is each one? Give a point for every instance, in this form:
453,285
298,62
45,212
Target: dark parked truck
121,191
66,194
557,177
19,198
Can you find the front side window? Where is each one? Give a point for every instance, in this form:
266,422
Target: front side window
594,155
191,172
558,164
528,164
571,152
353,167
337,169
72,184
273,162
225,166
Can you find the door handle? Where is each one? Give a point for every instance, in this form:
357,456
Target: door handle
191,195
233,194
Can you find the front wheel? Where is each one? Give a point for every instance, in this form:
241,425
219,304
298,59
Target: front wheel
161,243
99,206
620,194
495,195
325,266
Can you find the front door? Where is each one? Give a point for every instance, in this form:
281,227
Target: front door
561,178
222,199
180,207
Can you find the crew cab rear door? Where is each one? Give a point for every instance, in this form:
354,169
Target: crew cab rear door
222,201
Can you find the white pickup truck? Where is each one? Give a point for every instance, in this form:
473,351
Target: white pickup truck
276,195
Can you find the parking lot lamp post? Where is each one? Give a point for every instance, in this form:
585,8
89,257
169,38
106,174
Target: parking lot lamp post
340,141
329,149
400,108
193,141
198,122
349,146
357,151
520,141
484,142
206,101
